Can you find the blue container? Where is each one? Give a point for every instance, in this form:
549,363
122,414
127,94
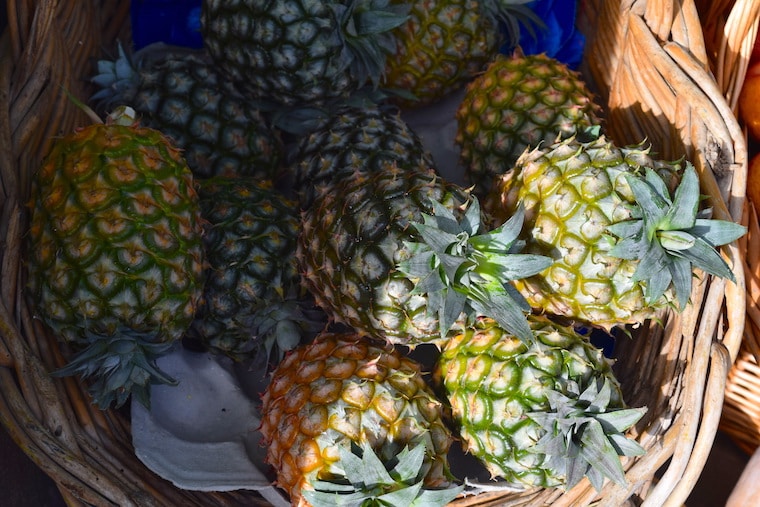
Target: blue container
175,22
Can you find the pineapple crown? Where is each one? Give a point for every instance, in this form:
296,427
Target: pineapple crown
463,271
282,325
120,79
122,364
512,15
584,437
670,237
367,481
117,79
365,27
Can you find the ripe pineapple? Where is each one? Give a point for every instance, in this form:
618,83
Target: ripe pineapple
343,392
253,304
541,412
402,256
352,141
439,48
351,239
624,243
182,94
443,45
302,52
518,102
115,253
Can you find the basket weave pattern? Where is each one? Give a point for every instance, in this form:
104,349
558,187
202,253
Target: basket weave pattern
648,62
730,36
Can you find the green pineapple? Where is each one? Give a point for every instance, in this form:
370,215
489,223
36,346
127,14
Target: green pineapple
624,243
352,141
402,256
345,408
351,238
182,94
253,305
303,52
115,254
443,45
541,412
518,102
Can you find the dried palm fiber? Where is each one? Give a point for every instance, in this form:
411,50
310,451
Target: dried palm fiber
648,62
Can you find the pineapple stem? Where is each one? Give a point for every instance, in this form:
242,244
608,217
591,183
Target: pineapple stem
84,107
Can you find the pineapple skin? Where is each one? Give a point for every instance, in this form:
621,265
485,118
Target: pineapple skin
353,237
519,102
493,379
286,52
115,243
353,140
250,242
440,48
572,191
343,389
183,95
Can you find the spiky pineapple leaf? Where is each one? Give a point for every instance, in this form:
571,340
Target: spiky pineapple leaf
410,463
705,257
454,304
507,308
670,237
685,206
367,481
122,364
717,232
596,450
116,79
514,15
365,27
502,238
584,436
512,266
462,271
439,240
623,445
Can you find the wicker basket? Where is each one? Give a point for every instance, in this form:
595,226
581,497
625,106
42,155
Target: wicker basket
649,64
730,37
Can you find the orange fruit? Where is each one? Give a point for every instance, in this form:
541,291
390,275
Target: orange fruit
753,181
749,101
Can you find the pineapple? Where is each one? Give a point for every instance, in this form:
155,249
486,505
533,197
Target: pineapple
344,393
302,52
351,239
115,253
624,243
542,412
443,45
518,102
352,141
253,304
182,94
363,250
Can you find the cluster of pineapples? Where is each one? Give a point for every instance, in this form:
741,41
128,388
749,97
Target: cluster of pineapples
270,202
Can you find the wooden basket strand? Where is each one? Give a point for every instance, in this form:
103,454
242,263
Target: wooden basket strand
731,29
648,62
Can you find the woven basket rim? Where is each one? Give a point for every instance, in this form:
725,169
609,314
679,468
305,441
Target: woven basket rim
88,452
731,33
